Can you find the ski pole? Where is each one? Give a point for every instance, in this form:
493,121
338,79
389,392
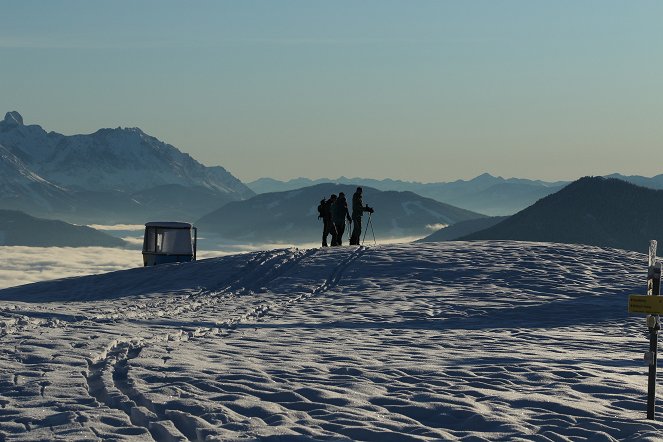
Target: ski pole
372,231
366,228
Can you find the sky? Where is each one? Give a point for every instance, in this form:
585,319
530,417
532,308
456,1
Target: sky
425,90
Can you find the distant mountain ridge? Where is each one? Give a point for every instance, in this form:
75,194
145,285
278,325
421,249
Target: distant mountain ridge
485,194
655,182
605,212
291,216
20,229
54,174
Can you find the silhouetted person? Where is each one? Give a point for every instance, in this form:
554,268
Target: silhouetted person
321,215
358,210
339,214
326,213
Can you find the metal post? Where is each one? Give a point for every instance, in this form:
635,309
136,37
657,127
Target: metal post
370,223
653,289
651,383
651,267
195,242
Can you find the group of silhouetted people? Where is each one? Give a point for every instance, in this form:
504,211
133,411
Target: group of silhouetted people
334,211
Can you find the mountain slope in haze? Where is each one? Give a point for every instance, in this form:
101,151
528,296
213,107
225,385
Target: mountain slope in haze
463,228
484,194
117,164
22,189
292,215
605,212
655,182
20,229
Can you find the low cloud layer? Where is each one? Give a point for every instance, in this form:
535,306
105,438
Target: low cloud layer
25,265
114,227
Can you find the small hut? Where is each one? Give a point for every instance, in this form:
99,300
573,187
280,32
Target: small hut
167,242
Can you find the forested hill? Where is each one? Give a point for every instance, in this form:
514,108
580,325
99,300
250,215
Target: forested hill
599,211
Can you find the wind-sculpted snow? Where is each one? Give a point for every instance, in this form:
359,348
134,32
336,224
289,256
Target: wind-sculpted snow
444,341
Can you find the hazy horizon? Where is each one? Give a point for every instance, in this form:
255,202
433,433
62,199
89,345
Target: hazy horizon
428,91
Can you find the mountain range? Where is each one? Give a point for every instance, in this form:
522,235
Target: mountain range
123,175
112,175
487,194
291,216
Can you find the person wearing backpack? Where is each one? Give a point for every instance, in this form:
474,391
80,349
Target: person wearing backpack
339,214
325,210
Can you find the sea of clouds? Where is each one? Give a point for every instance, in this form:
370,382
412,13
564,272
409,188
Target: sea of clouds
25,265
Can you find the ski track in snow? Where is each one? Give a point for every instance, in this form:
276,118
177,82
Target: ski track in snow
447,341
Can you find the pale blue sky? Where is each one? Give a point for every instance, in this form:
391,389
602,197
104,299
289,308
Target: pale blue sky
412,89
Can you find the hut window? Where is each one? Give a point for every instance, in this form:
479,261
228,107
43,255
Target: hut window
150,242
168,241
159,243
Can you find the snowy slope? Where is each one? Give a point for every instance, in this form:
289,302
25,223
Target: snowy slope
21,188
130,160
447,341
91,178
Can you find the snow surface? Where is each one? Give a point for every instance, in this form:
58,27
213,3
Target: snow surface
445,341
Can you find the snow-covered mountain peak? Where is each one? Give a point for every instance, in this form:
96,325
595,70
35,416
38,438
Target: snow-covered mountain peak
45,173
125,159
121,130
13,118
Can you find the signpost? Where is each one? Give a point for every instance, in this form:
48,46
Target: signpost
653,289
651,305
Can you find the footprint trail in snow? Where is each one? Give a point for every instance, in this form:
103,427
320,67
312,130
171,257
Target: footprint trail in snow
446,341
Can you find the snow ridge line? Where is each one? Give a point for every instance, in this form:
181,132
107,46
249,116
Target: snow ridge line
264,309
194,301
261,268
233,283
273,273
263,277
335,277
331,281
